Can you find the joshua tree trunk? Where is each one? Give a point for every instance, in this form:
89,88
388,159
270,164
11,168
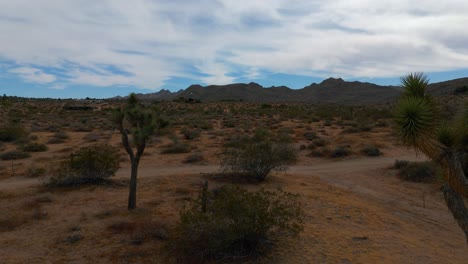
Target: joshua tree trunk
133,186
457,207
141,124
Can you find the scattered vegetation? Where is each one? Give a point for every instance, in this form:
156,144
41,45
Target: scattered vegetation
34,147
425,171
12,131
14,155
193,158
340,151
176,147
231,223
258,155
88,165
58,138
371,151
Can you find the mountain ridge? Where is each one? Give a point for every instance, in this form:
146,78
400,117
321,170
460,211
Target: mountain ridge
331,90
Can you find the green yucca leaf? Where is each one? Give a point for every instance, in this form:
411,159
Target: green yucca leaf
415,84
415,120
446,135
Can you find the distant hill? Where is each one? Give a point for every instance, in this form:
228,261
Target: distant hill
331,90
456,86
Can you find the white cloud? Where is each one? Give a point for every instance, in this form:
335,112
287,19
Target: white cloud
151,41
33,75
58,86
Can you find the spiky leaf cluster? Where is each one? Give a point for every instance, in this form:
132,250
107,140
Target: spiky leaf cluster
445,143
415,84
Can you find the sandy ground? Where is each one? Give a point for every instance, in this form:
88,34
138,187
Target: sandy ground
357,211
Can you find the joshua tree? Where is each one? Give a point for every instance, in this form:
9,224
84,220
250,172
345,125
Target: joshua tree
141,123
419,125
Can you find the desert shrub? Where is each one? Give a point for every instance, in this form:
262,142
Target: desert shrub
371,151
190,134
319,142
400,164
61,135
381,123
461,90
232,223
350,130
12,132
340,151
319,152
176,147
192,158
58,138
34,147
365,127
258,155
35,172
425,171
310,135
229,123
14,155
202,124
89,165
92,137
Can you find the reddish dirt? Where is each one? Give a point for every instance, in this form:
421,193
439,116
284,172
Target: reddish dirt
357,211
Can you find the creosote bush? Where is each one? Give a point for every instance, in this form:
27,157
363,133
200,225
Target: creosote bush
89,165
232,223
14,155
425,171
340,151
34,147
258,155
371,151
12,132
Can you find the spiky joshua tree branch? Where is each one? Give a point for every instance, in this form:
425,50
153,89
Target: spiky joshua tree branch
419,125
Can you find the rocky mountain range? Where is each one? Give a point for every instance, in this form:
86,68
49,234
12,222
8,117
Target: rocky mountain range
331,90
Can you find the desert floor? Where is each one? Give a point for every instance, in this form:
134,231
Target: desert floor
357,211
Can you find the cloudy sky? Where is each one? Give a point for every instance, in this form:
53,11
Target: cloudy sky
80,48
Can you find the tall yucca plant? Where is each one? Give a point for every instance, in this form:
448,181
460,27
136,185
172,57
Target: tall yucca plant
418,126
140,123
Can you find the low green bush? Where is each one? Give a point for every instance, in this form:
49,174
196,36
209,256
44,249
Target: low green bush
425,171
340,151
176,148
89,165
310,135
35,172
400,164
14,155
58,138
320,152
34,147
190,133
371,151
193,158
258,155
232,223
12,132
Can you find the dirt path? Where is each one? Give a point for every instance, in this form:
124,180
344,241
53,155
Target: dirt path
320,169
